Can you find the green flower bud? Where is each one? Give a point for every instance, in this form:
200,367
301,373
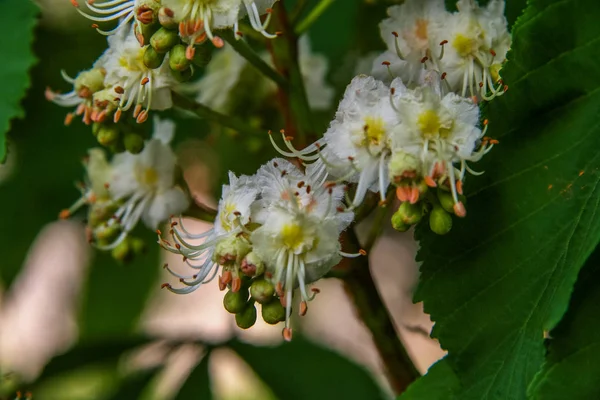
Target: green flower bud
235,302
398,222
410,213
203,54
133,142
247,317
146,11
273,312
108,135
107,233
166,17
182,76
446,200
96,128
403,166
440,221
262,291
152,59
163,40
122,252
177,59
231,250
89,82
144,31
138,246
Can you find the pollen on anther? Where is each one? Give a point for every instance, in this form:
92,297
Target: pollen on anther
95,26
424,59
165,285
443,42
362,252
386,63
395,33
443,76
158,232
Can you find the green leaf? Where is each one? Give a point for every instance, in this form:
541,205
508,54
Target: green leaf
440,383
301,370
46,155
197,385
505,273
18,19
88,353
572,368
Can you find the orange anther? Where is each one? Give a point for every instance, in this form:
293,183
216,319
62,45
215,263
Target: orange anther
218,42
395,33
189,52
117,116
64,214
386,63
303,308
287,334
430,182
362,252
459,187
236,284
460,210
68,119
137,110
165,285
443,42
144,81
95,26
401,193
414,195
581,172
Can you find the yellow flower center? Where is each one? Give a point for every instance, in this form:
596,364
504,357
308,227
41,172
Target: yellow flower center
464,45
149,177
292,236
374,131
133,61
430,125
421,29
224,218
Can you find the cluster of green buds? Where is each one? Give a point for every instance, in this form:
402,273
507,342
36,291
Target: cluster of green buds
247,285
156,26
125,135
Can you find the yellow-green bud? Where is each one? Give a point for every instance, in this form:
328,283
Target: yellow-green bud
403,166
177,59
410,213
440,221
262,291
273,312
122,252
107,233
152,59
144,31
133,142
182,76
166,17
398,222
163,40
89,82
235,302
247,317
446,200
108,135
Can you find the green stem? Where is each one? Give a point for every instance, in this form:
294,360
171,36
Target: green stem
378,221
204,112
295,107
254,59
314,14
359,284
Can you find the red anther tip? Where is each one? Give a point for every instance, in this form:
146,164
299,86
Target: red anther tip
289,138
424,59
95,26
169,12
460,210
218,42
165,285
443,42
494,141
240,34
459,187
395,33
505,88
269,10
340,209
492,52
430,182
303,308
74,3
158,232
486,121
287,334
64,214
480,84
393,90
316,290
165,265
362,252
143,82
444,76
386,63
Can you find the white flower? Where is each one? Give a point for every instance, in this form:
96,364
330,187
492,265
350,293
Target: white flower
409,35
437,132
226,244
85,85
130,83
122,10
298,239
478,41
144,184
356,147
467,47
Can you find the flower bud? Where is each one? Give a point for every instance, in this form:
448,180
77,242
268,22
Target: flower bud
228,251
247,317
252,265
273,312
123,252
398,222
403,166
108,135
410,213
235,302
177,59
446,200
166,17
163,40
262,291
182,76
146,11
89,82
107,233
133,142
144,31
440,221
152,59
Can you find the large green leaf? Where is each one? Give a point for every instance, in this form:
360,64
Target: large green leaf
505,273
300,370
440,383
573,364
18,19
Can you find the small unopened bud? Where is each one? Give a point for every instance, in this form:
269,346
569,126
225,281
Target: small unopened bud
398,223
163,40
262,291
235,302
446,200
107,233
440,221
144,30
410,213
152,59
177,59
166,17
90,81
133,142
247,317
182,76
252,265
273,312
123,252
108,135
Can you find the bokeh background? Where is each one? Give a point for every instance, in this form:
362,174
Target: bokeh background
58,295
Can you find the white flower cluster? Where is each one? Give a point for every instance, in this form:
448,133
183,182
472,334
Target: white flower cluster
282,222
130,188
